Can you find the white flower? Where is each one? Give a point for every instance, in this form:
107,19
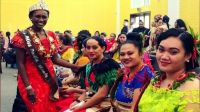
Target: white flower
36,40
53,46
50,39
41,48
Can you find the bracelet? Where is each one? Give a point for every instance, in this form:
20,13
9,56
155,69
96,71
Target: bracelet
29,87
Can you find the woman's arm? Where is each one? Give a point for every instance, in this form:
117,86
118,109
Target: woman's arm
20,56
97,98
114,48
64,63
136,95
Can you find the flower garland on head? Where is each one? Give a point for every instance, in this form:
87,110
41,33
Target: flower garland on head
40,48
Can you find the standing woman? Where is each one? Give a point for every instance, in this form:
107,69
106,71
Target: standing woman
176,87
135,75
97,77
36,50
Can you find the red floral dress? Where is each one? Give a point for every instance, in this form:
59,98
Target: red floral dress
39,85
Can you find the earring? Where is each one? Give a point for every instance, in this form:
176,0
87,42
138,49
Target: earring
188,61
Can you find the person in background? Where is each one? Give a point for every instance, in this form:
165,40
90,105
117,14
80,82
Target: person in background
67,51
166,20
8,40
114,50
103,35
97,33
110,41
141,29
81,55
70,35
180,24
175,87
132,77
2,42
37,82
125,27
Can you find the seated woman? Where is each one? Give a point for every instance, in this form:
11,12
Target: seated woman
96,77
134,76
176,87
67,51
114,50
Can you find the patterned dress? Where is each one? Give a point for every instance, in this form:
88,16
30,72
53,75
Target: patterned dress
125,90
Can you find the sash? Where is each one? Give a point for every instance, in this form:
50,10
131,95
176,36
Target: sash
52,81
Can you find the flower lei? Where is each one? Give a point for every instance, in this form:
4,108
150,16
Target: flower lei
40,48
132,75
181,79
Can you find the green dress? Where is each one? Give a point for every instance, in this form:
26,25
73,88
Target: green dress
164,100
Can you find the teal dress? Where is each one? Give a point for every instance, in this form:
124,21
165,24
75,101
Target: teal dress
104,73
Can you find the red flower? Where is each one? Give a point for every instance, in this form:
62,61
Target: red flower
157,84
181,77
92,77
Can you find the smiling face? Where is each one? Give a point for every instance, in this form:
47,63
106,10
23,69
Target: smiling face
122,38
171,55
130,56
39,18
94,50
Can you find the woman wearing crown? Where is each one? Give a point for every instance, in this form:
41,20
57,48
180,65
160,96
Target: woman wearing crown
36,51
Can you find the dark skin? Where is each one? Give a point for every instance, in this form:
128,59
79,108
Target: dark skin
39,19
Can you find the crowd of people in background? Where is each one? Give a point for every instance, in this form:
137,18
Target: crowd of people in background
138,70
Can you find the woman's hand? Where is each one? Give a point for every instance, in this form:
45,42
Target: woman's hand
73,104
77,106
31,95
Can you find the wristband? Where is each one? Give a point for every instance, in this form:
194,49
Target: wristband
29,87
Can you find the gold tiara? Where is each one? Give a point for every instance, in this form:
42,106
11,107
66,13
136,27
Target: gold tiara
40,5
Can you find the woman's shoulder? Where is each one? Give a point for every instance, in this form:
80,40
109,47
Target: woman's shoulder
193,84
191,81
51,33
18,41
107,64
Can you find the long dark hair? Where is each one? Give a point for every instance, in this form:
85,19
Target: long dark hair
181,24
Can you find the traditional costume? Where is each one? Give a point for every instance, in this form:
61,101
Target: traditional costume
156,99
123,94
45,48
